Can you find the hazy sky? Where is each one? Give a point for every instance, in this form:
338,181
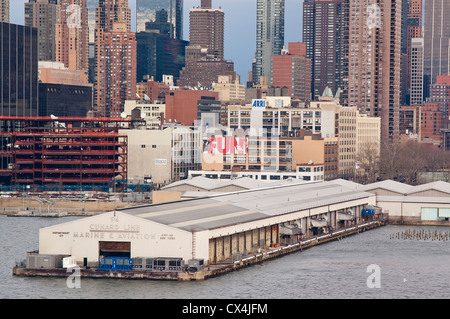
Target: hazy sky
240,27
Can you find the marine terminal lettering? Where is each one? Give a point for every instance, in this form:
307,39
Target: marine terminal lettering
110,227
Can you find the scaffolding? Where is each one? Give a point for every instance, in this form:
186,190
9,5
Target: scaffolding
63,151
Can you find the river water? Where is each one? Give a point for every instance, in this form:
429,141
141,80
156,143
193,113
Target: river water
340,269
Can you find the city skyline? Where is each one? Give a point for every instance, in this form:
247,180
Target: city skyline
241,50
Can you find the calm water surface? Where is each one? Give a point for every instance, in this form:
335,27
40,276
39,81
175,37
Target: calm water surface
408,268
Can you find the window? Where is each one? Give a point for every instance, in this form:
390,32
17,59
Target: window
444,212
429,213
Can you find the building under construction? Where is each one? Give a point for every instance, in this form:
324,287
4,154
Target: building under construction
45,151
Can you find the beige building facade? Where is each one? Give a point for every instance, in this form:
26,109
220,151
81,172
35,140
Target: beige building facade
162,156
368,132
149,156
345,131
153,114
229,90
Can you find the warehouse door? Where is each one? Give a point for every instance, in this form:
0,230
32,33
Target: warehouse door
114,249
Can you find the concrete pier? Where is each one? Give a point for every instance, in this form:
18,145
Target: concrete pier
209,271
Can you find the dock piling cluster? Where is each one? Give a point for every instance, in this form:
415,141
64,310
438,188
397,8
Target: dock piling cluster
422,235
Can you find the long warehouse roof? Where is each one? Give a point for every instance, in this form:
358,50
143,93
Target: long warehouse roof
212,184
397,187
245,206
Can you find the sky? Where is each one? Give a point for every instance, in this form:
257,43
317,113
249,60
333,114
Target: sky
240,27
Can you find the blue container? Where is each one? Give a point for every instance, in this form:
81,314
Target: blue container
115,263
370,212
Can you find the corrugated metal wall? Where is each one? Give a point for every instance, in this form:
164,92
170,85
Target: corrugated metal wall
223,248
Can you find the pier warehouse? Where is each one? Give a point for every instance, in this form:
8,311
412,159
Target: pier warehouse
212,229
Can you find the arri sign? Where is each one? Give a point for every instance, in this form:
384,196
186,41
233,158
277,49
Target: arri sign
258,104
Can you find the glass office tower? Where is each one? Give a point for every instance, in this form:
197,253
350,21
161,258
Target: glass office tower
91,5
269,36
436,41
18,70
149,10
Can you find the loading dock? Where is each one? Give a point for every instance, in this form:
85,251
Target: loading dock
114,249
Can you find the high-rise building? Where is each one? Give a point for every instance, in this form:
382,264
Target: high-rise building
72,35
206,29
115,58
158,54
436,41
204,57
375,61
91,7
440,94
413,31
292,69
160,24
432,120
269,36
325,32
44,15
4,11
416,72
201,70
18,70
147,12
110,12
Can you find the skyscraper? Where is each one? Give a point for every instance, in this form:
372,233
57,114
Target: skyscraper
375,60
416,72
158,55
269,36
325,32
206,29
72,35
148,11
115,58
204,57
18,70
436,41
44,15
413,30
91,7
